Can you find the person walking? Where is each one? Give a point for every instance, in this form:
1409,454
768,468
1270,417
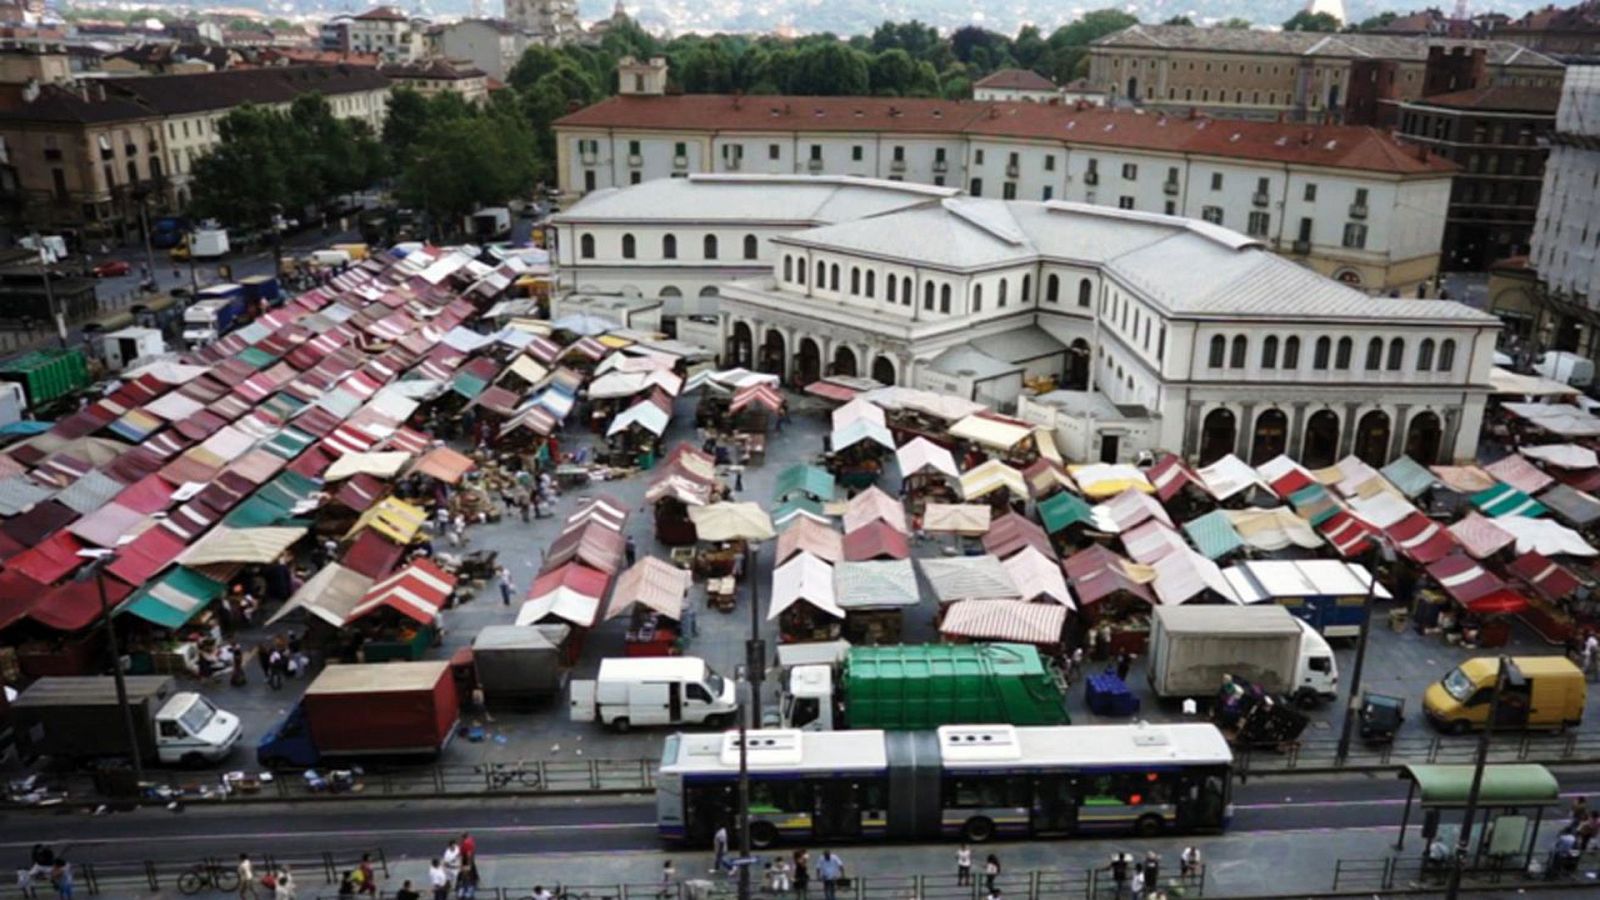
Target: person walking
802,873
669,880
1152,871
1124,663
467,881
830,868
1189,862
283,885
502,577
452,861
1119,873
438,880
369,878
61,878
991,871
1136,884
469,845
963,865
719,849
247,878
629,550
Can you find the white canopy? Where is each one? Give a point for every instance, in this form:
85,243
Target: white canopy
992,433
644,414
969,577
1037,576
876,584
956,518
1230,475
990,476
731,522
1567,456
803,577
1545,537
1273,529
857,409
920,453
1181,577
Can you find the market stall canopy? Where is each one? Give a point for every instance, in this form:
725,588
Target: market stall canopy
654,583
940,406
1181,577
1263,581
417,592
1128,510
1546,537
1571,505
1100,480
1567,456
590,543
861,430
1505,500
1382,510
1520,474
1464,479
1273,529
449,466
18,595
382,464
799,508
1351,477
809,535
758,395
75,605
1556,418
828,390
571,593
1012,532
1037,577
1472,586
1480,537
876,540
644,414
1045,476
685,491
922,456
804,578
731,522
875,584
601,510
1348,535
991,476
871,505
1505,381
691,462
1284,475
1151,541
615,385
1096,573
1005,620
393,518
988,431
968,578
1230,476
174,598
1171,474
1545,576
1420,539
1212,534
329,595
956,518
857,410
1063,510
812,481
1409,477
241,545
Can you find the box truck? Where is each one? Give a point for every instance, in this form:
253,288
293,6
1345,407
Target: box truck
665,690
202,243
919,687
215,311
1192,647
76,719
489,223
391,709
123,348
1567,368
519,663
48,375
1550,693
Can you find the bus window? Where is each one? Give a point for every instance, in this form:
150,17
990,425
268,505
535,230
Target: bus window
777,796
988,791
1127,789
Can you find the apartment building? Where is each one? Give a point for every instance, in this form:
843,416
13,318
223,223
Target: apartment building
1008,85
490,45
1566,234
1300,75
551,22
387,31
441,76
1349,202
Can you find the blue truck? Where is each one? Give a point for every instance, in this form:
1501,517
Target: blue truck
168,231
260,289
214,312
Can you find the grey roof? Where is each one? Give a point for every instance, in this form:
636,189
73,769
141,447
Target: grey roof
1312,43
1020,345
1082,403
18,493
1571,504
875,584
967,360
90,492
793,199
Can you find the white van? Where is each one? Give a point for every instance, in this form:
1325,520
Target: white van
1567,368
666,690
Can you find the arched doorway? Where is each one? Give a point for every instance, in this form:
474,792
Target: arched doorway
1372,438
1423,437
1271,437
774,355
883,371
808,362
1217,435
844,361
1077,366
740,345
1321,447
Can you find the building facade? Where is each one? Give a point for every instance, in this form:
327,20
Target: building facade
550,22
1349,202
1567,228
388,32
1307,76
1498,138
490,45
1016,85
441,76
1200,339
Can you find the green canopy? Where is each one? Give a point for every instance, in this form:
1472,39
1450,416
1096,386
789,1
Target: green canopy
1314,504
283,405
173,599
1505,500
468,384
1410,476
288,443
1517,784
809,480
1213,534
1063,510
255,357
797,507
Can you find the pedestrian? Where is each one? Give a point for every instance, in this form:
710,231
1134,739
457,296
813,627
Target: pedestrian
1075,665
1124,663
469,845
669,880
1591,656
991,871
247,877
963,865
802,873
467,881
369,879
347,886
438,880
458,531
780,874
407,892
691,622
830,868
629,550
237,679
738,480
1152,870
277,668
1189,862
1119,872
1579,812
719,847
283,885
61,878
452,861
1136,884
503,578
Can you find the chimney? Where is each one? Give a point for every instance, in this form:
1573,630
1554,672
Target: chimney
1305,137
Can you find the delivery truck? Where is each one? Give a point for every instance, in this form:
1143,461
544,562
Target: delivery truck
1545,692
125,347
661,690
201,243
1192,647
215,311
48,376
1566,367
261,290
76,719
392,709
490,223
518,664
919,687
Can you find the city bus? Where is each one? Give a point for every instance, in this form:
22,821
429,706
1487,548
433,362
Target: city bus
975,782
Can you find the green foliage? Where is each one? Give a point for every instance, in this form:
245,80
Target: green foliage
1377,21
1179,20
1235,22
1309,21
829,70
467,157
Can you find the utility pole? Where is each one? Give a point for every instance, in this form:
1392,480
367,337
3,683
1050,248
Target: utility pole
97,570
1504,671
749,709
49,292
1354,702
149,251
755,647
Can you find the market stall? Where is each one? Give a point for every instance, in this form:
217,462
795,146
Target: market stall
989,435
874,596
876,539
1115,600
1040,624
1179,487
1188,577
928,474
874,505
1328,595
1069,521
1560,604
998,485
979,577
1038,577
1097,481
803,601
809,535
652,593
964,522
1231,482
857,445
1010,533
1482,602
672,496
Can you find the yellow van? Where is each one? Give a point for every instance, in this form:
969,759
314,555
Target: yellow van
1551,696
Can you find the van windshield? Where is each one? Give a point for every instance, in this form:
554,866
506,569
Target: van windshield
1459,686
194,718
714,684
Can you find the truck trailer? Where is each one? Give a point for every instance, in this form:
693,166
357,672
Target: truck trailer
76,719
1193,647
391,709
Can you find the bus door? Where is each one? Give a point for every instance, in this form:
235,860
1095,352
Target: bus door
1202,800
835,809
1055,804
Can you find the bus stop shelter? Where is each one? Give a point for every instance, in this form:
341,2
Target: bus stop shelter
1504,798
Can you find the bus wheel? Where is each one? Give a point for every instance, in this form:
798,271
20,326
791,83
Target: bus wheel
763,834
1149,826
620,725
978,830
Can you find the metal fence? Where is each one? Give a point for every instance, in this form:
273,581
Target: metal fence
1321,755
1414,874
216,875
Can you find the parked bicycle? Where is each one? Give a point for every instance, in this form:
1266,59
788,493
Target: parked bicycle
519,774
204,875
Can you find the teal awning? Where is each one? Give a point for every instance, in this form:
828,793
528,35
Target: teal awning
1505,500
1314,504
1213,534
1063,510
799,506
255,357
809,480
1409,476
283,405
174,598
288,443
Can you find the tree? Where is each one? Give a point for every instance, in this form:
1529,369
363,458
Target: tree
460,165
1070,42
555,94
707,69
1378,21
1305,20
1179,20
893,73
829,69
405,119
1235,23
971,41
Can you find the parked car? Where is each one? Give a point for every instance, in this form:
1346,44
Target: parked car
112,268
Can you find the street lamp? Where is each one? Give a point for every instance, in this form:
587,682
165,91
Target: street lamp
96,569
1506,674
1355,675
746,689
755,650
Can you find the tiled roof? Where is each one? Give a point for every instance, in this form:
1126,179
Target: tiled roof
157,95
1309,43
1016,80
433,70
383,14
1339,146
1498,99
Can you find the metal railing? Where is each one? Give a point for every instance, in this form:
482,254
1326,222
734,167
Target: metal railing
1321,755
124,878
1415,874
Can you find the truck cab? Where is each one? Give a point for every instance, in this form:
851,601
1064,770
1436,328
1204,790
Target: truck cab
288,744
807,702
1316,672
190,729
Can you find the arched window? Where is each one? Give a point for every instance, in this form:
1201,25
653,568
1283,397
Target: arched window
1397,353
1052,289
627,246
1083,292
1269,352
905,292
977,298
788,267
1319,356
833,277
751,246
855,280
1241,347
872,285
1027,287
1341,357
1374,354
1447,355
1425,355
711,246
1219,351
891,283
927,295
669,247
586,246
944,299
800,270
1005,287
822,275
1291,353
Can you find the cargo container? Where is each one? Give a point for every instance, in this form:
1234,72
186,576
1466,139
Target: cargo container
261,289
48,375
77,719
121,349
389,709
519,663
915,687
1192,647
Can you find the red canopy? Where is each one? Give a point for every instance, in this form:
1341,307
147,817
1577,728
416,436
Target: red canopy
50,560
1096,573
1472,586
18,594
75,605
139,560
876,540
418,592
372,554
1010,533
1291,481
150,494
1421,539
1545,576
1170,475
1348,534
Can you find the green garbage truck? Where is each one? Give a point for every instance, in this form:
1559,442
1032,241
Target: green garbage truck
47,377
919,687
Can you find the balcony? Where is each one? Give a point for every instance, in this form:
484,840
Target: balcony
1170,188
814,165
635,160
1260,199
1013,170
940,165
1091,177
1302,248
1358,211
897,165
680,162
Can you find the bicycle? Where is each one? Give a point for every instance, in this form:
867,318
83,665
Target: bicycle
203,875
499,775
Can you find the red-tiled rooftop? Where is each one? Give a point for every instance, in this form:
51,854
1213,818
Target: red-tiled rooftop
1339,146
1499,99
1016,80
